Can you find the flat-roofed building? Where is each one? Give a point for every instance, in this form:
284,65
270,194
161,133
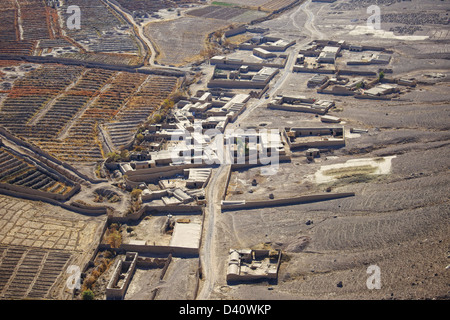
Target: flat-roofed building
381,90
317,80
381,58
262,53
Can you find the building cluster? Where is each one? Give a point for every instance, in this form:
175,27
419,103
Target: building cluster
125,269
255,147
321,56
241,76
174,166
123,272
210,112
270,44
340,68
255,63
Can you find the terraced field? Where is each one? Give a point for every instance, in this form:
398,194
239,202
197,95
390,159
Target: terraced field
24,22
266,5
59,108
37,242
274,5
139,108
152,5
17,47
35,20
102,31
231,14
250,3
8,30
29,273
33,92
16,171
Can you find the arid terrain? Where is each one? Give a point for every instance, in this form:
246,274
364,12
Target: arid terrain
111,186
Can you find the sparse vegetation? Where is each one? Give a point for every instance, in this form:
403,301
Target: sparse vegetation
348,172
135,194
113,235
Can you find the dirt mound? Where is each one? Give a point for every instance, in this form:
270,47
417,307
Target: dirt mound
298,245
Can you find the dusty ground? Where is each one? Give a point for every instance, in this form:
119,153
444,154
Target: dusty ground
144,281
180,280
181,40
399,222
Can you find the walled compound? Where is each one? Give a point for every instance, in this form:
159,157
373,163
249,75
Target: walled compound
250,265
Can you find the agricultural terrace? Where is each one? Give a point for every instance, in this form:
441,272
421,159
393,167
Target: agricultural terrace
37,20
59,107
8,29
37,243
152,5
102,30
142,105
17,171
24,22
265,5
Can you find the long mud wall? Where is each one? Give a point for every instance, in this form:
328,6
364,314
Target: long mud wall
287,201
38,193
163,250
35,197
87,64
173,210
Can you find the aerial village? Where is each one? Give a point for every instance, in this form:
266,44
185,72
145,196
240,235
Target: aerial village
150,157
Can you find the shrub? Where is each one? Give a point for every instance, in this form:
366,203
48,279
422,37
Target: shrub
113,235
125,155
108,254
88,295
157,118
135,194
112,157
140,137
114,239
88,282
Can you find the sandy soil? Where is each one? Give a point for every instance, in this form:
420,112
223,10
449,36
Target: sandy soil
398,221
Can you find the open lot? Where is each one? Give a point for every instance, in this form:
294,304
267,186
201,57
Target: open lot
398,222
181,40
180,280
